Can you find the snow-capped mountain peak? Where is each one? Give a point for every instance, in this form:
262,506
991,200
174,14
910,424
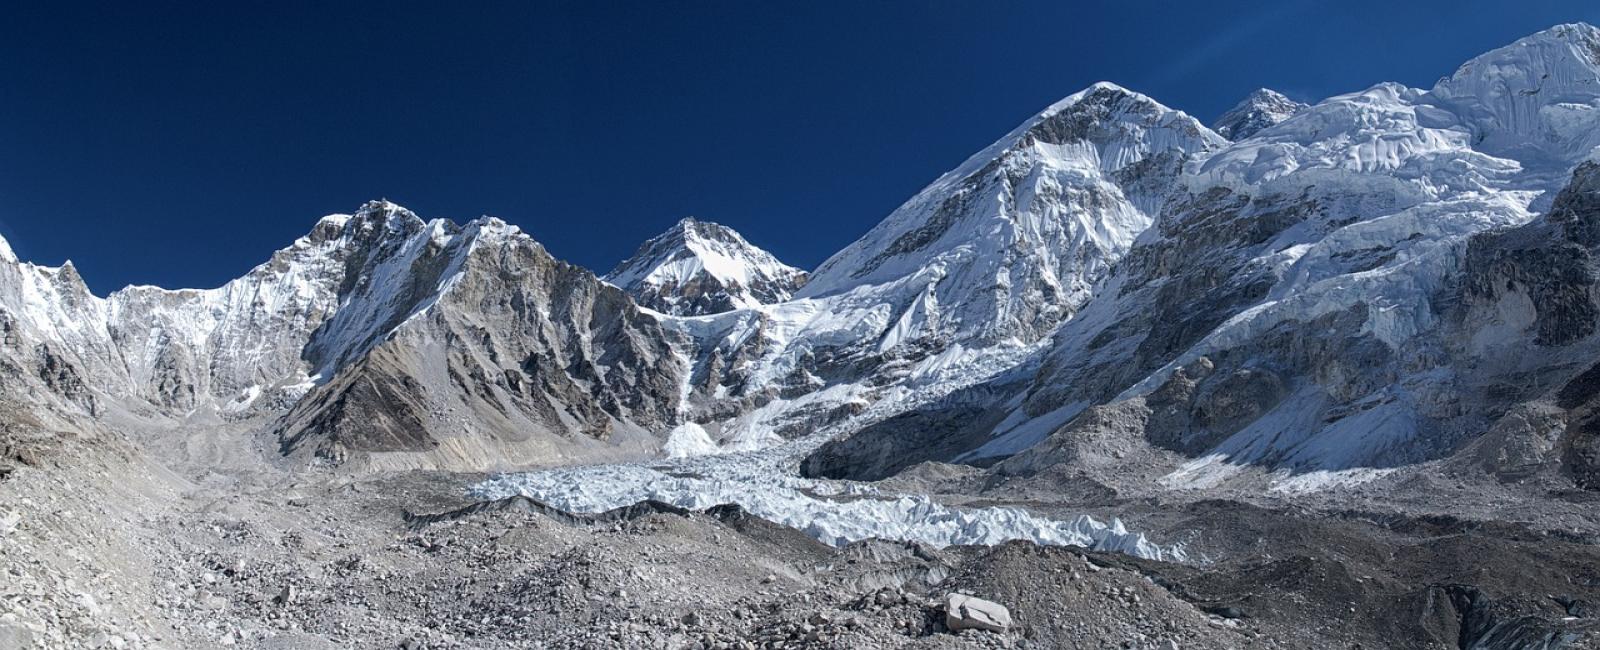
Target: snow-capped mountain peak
698,267
1260,109
6,255
1103,101
1536,100
1012,240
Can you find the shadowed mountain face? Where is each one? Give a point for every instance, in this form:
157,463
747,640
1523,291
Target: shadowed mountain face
500,355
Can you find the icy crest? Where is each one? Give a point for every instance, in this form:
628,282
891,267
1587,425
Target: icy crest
1000,250
1039,189
1387,130
1536,100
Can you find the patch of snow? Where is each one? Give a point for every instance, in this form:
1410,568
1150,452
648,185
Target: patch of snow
1321,480
688,439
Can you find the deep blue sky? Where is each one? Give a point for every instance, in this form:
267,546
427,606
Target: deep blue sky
179,144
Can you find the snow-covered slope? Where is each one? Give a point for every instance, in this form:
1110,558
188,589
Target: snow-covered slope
1260,109
961,282
698,268
1286,309
1533,101
1012,241
175,351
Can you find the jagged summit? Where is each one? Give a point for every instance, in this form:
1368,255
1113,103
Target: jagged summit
1260,109
6,254
698,267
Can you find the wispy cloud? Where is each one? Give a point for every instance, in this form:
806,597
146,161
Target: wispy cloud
1224,40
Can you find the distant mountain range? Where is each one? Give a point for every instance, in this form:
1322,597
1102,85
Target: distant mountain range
1378,280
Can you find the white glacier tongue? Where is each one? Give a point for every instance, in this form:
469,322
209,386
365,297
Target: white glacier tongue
837,513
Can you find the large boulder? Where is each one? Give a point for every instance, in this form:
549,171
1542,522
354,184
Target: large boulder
963,612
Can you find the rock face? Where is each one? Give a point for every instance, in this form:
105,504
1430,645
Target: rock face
1263,108
700,268
1521,324
489,352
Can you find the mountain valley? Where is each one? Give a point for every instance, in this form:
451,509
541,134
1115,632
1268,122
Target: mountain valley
1319,375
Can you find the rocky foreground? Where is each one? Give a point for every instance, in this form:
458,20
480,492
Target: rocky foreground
103,550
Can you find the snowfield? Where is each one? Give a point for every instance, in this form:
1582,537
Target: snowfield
766,484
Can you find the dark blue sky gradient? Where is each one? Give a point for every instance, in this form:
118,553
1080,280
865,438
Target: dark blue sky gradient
179,144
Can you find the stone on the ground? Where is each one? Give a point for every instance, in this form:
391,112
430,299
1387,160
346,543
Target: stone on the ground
15,636
963,612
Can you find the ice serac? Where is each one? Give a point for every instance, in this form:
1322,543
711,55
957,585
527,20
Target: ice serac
1261,109
698,268
1316,332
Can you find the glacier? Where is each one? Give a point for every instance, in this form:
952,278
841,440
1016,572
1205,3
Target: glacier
834,512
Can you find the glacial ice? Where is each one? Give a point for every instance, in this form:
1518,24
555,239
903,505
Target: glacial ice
766,484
